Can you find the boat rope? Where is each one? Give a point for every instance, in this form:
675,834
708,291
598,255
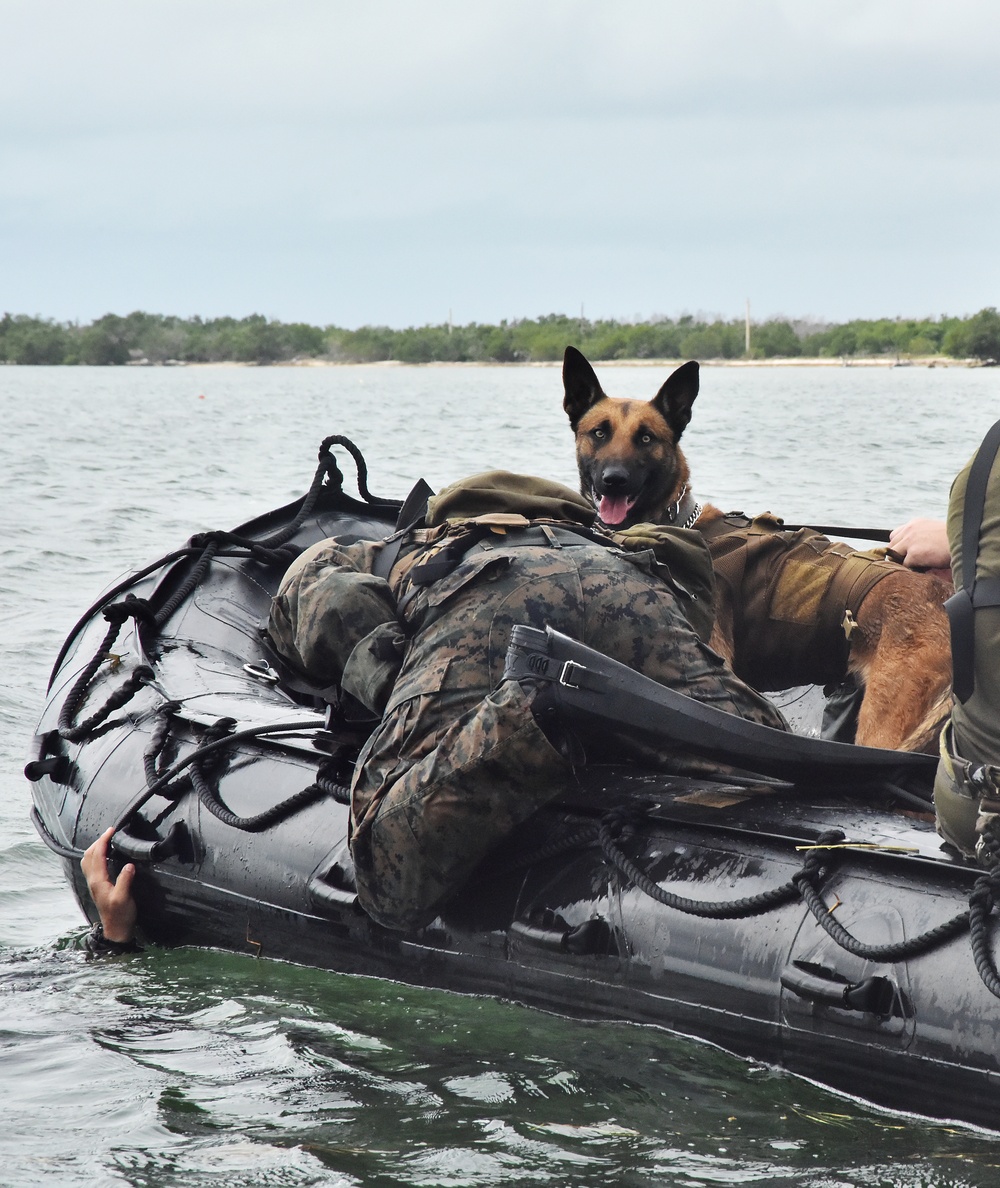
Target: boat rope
615,823
211,800
807,885
564,843
202,550
341,793
116,614
162,782
984,898
106,598
210,758
361,467
215,763
153,754
803,884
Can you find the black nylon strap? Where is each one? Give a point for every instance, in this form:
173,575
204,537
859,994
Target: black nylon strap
987,592
525,665
446,559
412,512
961,626
881,534
961,620
975,504
964,602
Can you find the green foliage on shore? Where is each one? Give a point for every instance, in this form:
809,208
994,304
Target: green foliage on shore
156,338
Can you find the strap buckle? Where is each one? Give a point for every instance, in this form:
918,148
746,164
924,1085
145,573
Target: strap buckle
571,680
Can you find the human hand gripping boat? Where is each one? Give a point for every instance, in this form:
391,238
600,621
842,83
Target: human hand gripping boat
792,904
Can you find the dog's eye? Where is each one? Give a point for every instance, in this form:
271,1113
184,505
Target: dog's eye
646,438
600,434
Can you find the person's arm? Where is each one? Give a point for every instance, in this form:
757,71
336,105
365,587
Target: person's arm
112,898
921,544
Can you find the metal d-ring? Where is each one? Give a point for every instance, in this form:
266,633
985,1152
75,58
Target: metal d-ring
262,671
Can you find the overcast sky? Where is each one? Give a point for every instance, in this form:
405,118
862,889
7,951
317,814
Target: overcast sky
389,162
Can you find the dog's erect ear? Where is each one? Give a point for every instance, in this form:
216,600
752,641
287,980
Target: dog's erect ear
581,385
675,398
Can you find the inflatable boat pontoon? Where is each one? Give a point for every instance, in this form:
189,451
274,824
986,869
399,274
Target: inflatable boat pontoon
804,913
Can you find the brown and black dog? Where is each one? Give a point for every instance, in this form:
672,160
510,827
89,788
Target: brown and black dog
793,607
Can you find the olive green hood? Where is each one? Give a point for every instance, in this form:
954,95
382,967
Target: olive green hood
505,492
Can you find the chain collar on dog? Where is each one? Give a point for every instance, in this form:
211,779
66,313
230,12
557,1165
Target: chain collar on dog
686,506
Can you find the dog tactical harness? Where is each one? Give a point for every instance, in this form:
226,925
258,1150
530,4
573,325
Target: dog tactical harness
795,597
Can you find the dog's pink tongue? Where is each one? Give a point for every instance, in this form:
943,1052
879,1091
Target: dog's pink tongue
613,509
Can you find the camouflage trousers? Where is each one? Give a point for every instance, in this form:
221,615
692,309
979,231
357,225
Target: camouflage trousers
458,760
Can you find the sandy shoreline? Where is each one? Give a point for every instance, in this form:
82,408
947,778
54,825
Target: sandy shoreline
877,361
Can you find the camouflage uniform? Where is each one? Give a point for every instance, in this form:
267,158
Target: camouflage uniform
458,759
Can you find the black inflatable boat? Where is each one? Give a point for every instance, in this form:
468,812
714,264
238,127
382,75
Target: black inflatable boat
803,913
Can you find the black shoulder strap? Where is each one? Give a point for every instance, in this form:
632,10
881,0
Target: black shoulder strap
411,513
975,504
963,603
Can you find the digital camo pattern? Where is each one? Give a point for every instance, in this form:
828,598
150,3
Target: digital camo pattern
327,603
458,760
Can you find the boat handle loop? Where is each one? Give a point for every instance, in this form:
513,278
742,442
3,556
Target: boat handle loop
875,995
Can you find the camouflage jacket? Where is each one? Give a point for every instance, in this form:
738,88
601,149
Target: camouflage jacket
340,625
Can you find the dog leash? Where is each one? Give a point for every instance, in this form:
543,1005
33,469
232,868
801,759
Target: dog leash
880,534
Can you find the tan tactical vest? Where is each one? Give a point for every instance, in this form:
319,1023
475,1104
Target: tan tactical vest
795,596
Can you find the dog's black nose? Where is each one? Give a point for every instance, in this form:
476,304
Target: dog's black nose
614,478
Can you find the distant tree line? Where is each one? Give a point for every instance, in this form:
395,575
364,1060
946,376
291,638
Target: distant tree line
156,338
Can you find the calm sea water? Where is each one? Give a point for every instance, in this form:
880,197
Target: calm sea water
190,1067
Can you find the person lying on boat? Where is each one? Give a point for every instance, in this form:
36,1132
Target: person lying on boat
462,756
416,628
